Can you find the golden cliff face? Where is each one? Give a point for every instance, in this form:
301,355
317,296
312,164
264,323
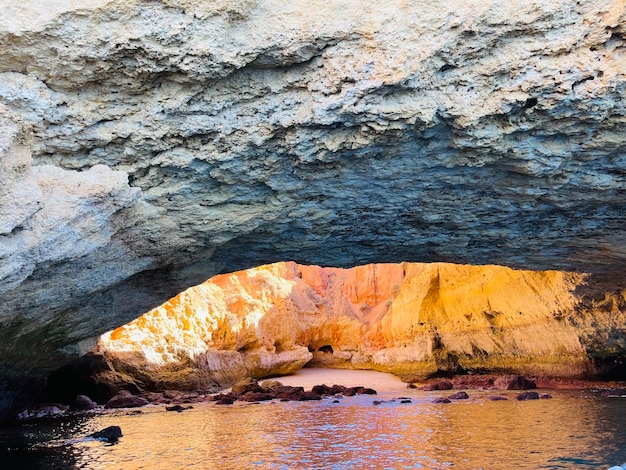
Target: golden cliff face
410,319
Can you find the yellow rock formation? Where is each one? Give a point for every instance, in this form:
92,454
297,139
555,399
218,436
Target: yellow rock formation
410,319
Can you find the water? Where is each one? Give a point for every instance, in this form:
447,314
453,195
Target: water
572,430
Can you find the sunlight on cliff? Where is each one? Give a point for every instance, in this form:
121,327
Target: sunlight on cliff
408,318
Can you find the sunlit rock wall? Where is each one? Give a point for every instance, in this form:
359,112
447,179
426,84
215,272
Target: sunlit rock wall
173,139
414,320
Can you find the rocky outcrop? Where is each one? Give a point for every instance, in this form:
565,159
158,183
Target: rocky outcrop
414,320
174,140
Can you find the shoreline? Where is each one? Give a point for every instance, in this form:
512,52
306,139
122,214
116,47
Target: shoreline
309,377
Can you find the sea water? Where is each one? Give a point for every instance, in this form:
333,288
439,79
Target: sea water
574,429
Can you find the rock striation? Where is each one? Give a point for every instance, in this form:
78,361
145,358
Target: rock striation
145,146
412,319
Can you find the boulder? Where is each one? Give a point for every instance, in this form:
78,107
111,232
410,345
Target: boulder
124,399
528,396
514,382
178,408
247,385
83,403
443,385
459,396
108,434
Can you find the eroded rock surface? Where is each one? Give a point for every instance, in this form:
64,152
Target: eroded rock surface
414,320
173,140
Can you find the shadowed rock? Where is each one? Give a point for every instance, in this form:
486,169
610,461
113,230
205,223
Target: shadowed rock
83,403
528,396
443,385
497,398
108,434
247,385
514,382
178,408
124,399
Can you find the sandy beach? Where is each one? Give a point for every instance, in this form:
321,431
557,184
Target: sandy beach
308,377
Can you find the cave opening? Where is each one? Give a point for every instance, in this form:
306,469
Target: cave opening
327,348
273,320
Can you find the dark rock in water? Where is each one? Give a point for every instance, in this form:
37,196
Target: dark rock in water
528,396
443,385
309,396
332,390
497,398
459,396
321,389
406,400
83,403
178,408
545,396
225,401
125,399
247,385
220,396
109,434
514,382
441,400
411,385
288,392
257,396
351,391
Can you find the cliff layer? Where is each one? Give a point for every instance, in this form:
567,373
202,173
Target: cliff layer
147,145
414,320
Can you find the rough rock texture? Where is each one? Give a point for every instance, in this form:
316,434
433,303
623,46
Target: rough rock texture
175,139
411,319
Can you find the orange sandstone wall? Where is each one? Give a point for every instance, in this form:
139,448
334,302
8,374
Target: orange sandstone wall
410,319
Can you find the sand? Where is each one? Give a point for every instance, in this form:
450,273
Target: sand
308,377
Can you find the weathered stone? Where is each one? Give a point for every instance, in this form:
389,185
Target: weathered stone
225,401
528,396
257,396
443,385
178,408
83,403
497,398
109,434
124,399
513,382
173,140
459,396
247,385
400,318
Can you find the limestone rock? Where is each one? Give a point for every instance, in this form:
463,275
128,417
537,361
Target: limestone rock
411,319
173,140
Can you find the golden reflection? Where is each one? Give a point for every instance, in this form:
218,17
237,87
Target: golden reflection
565,432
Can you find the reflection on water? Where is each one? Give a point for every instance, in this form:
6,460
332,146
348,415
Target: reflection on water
565,432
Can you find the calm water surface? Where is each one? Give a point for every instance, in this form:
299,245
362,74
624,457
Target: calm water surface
572,430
